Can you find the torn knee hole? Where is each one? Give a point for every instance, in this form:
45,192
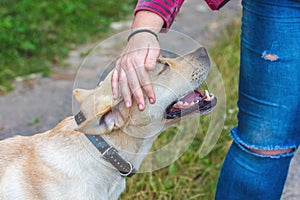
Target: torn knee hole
269,57
271,152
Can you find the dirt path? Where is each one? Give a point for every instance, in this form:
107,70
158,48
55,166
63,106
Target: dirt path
39,104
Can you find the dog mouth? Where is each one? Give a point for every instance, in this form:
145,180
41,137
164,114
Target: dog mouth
194,101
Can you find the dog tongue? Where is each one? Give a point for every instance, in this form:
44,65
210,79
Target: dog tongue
193,96
189,100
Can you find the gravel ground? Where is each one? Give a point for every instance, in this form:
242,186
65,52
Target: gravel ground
39,104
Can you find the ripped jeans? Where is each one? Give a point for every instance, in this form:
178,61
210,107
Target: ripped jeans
269,102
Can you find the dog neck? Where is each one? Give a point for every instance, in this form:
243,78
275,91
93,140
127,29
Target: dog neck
117,142
132,149
110,154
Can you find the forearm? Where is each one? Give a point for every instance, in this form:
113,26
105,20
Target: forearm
166,10
149,20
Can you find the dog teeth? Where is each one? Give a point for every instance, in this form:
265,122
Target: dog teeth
181,103
207,95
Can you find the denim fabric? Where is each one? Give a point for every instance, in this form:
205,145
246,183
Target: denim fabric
269,90
248,177
269,101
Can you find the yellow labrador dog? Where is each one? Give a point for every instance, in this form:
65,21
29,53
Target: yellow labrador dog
89,155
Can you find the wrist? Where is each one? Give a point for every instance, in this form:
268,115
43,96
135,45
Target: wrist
142,30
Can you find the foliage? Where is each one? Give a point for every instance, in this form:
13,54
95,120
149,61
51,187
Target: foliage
191,177
36,34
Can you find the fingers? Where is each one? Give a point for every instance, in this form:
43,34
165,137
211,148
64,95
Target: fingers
125,89
132,78
150,64
134,87
151,58
125,77
145,81
131,75
115,83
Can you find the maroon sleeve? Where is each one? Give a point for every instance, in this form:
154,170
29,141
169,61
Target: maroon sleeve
216,4
168,9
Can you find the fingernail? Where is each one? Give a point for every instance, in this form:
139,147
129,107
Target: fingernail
151,100
141,107
128,104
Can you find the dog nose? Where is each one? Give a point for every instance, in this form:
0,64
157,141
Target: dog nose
201,52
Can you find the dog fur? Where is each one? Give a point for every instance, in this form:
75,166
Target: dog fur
63,164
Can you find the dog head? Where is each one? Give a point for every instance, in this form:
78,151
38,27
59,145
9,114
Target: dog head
175,82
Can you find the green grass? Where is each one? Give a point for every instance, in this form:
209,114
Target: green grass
192,177
34,35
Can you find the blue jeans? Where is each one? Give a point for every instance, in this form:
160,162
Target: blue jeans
269,102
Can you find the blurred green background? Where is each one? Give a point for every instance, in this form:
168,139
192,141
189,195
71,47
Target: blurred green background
36,34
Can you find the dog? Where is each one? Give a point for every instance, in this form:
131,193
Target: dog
89,155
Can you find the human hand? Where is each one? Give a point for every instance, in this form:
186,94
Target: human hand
131,71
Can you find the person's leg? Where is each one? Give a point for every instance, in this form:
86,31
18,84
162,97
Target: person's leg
246,176
268,131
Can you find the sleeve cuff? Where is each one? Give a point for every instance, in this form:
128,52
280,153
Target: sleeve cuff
216,4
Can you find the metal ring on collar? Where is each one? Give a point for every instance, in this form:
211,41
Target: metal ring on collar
128,173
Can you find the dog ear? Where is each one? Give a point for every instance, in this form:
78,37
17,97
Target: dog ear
81,94
96,106
98,126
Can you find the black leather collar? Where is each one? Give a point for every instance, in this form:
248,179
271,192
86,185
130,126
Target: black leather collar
108,152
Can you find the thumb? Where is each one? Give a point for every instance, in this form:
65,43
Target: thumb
150,61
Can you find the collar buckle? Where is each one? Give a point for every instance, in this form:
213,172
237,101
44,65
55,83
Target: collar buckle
111,155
